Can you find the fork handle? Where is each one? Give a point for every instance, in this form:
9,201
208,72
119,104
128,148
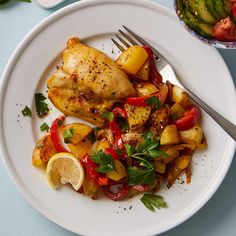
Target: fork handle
229,127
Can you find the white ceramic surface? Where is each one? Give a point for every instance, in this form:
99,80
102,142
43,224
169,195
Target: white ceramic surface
95,21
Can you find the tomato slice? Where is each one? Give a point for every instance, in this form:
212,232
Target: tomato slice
225,30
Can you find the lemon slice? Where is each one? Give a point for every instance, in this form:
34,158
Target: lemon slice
64,168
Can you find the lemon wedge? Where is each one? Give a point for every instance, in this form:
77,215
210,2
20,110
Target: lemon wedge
64,168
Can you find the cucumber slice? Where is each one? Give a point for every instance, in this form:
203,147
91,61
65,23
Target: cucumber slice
191,5
203,12
211,9
192,21
219,7
205,30
228,7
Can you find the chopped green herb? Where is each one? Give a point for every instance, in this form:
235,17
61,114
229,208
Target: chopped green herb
137,176
145,154
152,201
59,122
68,134
108,115
130,150
92,135
153,101
124,126
26,111
174,116
157,153
41,107
105,161
44,127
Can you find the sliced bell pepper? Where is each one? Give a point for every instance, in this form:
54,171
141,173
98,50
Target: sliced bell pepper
118,142
189,118
154,76
141,101
118,111
90,168
54,133
112,152
116,196
141,188
234,10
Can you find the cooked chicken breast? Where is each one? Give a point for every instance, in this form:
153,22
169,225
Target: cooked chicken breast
88,83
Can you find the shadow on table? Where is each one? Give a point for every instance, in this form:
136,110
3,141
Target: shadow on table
63,4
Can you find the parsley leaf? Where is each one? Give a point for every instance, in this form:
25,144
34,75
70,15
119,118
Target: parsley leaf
26,111
153,101
44,127
137,176
68,134
108,115
150,142
105,161
129,149
152,201
41,107
157,153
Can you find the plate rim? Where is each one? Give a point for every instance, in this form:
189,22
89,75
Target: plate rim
9,67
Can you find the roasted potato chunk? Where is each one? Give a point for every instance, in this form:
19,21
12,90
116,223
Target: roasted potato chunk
160,166
182,161
144,89
137,115
74,133
90,187
118,173
43,151
180,96
81,148
102,144
170,135
132,59
144,72
176,111
192,136
159,120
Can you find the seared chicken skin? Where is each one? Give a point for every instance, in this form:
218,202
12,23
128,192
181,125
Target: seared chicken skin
88,83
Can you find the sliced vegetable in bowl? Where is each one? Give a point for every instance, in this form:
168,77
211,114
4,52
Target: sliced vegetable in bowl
211,21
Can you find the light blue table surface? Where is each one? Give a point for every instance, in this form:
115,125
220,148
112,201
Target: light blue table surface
18,217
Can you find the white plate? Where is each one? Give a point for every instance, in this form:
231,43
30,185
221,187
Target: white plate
95,22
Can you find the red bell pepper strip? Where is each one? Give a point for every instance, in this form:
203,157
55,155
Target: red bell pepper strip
116,196
154,76
54,133
141,101
189,118
112,152
90,168
118,142
141,188
234,10
118,111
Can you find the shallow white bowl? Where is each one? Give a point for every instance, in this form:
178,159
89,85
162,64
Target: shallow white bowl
200,66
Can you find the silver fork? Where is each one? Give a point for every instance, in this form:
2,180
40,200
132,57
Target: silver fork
165,68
